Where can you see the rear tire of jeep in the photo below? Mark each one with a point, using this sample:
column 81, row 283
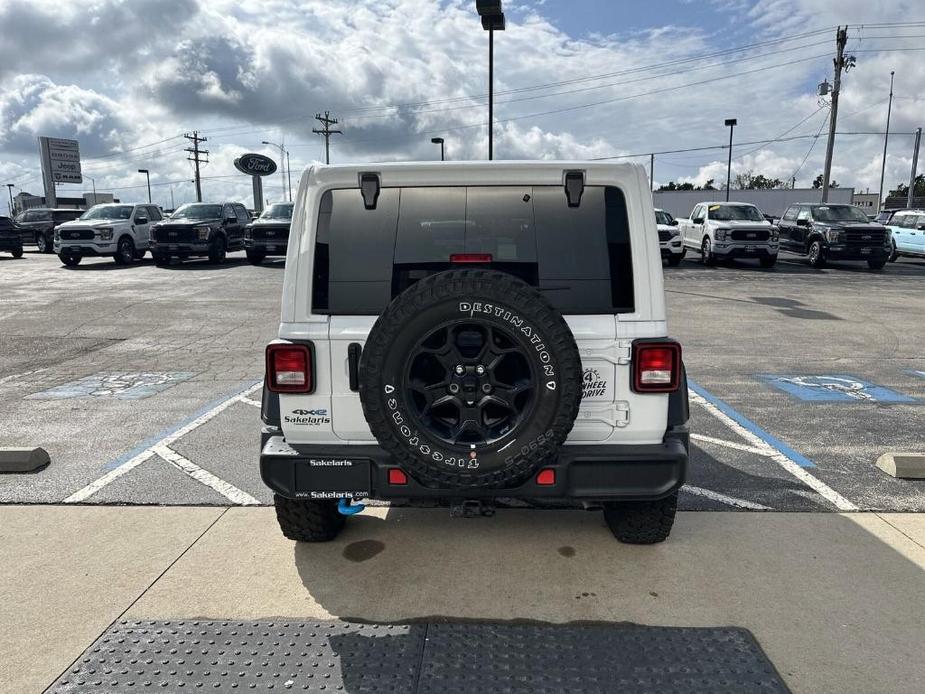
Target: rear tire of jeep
column 470, row 379
column 308, row 521
column 17, row 253
column 641, row 522
column 42, row 244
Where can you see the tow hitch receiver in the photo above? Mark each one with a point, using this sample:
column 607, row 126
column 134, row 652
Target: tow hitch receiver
column 471, row 508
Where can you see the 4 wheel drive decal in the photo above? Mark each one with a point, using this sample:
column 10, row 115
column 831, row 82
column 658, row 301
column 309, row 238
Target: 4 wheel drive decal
column 414, row 439
column 471, row 308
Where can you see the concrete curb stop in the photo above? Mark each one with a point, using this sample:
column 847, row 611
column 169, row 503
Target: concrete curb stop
column 903, row 465
column 22, row 459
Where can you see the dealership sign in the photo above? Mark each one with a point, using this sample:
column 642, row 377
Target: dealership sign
column 61, row 159
column 254, row 164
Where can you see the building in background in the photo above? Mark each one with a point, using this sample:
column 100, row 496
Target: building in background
column 869, row 202
column 26, row 201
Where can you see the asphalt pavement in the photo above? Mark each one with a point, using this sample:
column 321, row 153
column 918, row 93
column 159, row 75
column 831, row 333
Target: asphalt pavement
column 139, row 381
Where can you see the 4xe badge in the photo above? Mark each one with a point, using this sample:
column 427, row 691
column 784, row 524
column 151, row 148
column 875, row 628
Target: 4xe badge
column 311, row 418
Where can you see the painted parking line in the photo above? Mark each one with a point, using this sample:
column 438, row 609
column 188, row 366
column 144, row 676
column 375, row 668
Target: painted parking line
column 129, row 461
column 226, row 489
column 725, row 499
column 252, row 402
column 766, row 451
column 777, row 450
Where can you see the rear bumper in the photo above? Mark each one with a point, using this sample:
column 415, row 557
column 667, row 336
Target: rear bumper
column 583, row 473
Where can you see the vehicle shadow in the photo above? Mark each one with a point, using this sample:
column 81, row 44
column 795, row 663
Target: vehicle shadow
column 203, row 264
column 795, row 265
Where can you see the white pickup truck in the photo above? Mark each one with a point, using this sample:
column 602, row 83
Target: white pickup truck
column 727, row 230
column 121, row 231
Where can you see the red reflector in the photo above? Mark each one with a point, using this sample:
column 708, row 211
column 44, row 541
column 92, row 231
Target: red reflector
column 470, row 258
column 397, row 476
column 656, row 367
column 289, row 368
column 546, row 478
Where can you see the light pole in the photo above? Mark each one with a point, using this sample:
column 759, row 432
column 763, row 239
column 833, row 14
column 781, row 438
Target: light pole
column 731, row 123
column 886, row 138
column 289, row 174
column 492, row 19
column 282, row 173
column 147, row 176
column 9, row 187
column 438, row 141
column 93, row 182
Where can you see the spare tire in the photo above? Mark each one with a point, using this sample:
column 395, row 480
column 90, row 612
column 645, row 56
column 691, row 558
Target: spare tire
column 470, row 378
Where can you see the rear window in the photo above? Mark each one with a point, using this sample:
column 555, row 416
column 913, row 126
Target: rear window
column 579, row 258
column 67, row 215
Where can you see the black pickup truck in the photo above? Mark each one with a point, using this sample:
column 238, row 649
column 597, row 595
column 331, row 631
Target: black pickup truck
column 200, row 229
column 10, row 239
column 823, row 232
column 269, row 233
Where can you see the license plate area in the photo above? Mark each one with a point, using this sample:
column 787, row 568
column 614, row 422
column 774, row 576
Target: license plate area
column 332, row 478
column 866, row 251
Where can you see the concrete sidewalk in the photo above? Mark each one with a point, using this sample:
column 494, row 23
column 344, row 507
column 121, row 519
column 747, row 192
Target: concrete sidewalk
column 837, row 601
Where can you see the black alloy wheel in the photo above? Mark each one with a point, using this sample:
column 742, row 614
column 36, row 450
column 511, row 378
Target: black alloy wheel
column 469, row 383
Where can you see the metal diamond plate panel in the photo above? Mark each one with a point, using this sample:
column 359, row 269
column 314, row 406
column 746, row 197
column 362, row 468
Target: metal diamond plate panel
column 288, row 655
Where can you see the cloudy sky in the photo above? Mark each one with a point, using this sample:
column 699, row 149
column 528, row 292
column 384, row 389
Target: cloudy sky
column 573, row 79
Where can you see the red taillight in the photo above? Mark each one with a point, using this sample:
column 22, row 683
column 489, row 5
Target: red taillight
column 546, row 477
column 397, row 476
column 470, row 258
column 656, row 367
column 289, row 368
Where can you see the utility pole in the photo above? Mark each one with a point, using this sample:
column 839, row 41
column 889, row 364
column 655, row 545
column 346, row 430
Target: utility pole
column 886, row 138
column 915, row 165
column 289, row 174
column 9, row 187
column 652, row 172
column 327, row 122
column 841, row 38
column 196, row 158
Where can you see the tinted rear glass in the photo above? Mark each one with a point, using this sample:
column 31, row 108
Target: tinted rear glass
column 578, row 257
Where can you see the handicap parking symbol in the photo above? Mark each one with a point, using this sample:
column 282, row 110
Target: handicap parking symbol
column 833, row 388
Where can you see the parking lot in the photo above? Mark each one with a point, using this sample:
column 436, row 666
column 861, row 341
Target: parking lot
column 141, row 382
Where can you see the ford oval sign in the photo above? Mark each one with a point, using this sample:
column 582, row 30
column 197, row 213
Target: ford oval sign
column 255, row 164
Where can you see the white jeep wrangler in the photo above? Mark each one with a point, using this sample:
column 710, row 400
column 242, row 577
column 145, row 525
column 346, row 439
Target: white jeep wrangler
column 455, row 333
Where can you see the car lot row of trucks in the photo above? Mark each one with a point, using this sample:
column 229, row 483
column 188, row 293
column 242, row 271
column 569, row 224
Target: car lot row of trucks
column 717, row 231
column 126, row 232
column 818, row 231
